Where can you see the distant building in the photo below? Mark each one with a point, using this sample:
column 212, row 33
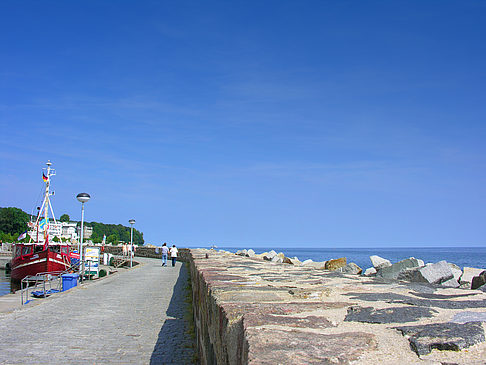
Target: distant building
column 87, row 232
column 54, row 230
column 69, row 231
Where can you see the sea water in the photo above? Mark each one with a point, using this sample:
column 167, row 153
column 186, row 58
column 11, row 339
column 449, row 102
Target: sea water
column 461, row 256
column 4, row 282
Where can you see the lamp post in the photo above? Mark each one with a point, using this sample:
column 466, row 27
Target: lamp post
column 132, row 222
column 83, row 198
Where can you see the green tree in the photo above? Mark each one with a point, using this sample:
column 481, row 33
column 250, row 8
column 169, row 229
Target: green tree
column 95, row 238
column 6, row 237
column 64, row 218
column 122, row 232
column 55, row 239
column 112, row 238
column 13, row 221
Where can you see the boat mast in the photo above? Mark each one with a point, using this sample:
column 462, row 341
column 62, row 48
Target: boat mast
column 46, row 208
column 47, row 202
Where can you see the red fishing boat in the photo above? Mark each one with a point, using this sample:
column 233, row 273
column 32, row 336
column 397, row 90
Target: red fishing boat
column 41, row 255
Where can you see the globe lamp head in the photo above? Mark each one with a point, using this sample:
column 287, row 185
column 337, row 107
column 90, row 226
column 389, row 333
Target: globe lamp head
column 83, row 197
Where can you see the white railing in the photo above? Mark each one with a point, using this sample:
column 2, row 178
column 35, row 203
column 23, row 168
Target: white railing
column 41, row 285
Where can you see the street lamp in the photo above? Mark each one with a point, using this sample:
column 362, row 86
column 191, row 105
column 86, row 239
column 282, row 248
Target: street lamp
column 132, row 222
column 83, row 198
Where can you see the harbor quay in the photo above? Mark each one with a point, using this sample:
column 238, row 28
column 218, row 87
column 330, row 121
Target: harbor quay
column 135, row 316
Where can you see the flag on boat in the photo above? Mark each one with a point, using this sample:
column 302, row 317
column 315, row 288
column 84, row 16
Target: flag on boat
column 43, row 223
column 44, row 177
column 22, row 236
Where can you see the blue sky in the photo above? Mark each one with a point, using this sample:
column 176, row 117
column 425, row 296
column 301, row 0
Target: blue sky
column 264, row 123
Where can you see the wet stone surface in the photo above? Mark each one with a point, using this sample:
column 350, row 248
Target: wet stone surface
column 443, row 336
column 388, row 315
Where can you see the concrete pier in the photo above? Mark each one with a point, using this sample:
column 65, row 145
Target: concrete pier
column 135, row 316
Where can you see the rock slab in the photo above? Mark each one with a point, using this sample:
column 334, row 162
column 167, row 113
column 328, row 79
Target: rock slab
column 379, row 262
column 371, row 271
column 271, row 346
column 479, row 280
column 392, row 272
column 387, row 315
column 468, row 274
column 464, row 317
column 350, row 268
column 433, row 273
column 443, row 336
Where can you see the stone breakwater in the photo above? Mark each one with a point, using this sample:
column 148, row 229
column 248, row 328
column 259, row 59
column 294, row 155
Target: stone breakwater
column 249, row 310
column 441, row 273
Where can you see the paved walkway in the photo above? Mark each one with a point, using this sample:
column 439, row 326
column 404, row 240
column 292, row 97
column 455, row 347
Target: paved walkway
column 133, row 317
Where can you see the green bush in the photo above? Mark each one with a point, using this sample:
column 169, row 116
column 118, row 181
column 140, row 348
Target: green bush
column 112, row 260
column 102, row 273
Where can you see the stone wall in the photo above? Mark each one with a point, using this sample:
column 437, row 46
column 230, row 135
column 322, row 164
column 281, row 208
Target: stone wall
column 247, row 310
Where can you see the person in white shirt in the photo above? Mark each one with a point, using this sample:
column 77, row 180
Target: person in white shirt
column 165, row 253
column 173, row 254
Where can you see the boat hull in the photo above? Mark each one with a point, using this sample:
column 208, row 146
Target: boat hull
column 40, row 262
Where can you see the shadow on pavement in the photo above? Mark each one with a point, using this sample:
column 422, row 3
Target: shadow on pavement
column 174, row 345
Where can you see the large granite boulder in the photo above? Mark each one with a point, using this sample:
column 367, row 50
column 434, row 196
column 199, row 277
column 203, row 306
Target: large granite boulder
column 241, row 252
column 467, row 276
column 371, row 271
column 335, row 264
column 451, row 283
column 270, row 255
column 317, row 265
column 479, row 280
column 277, row 259
column 392, row 272
column 286, row 260
column 407, row 274
column 433, row 273
column 294, row 260
column 456, row 271
column 250, row 253
column 350, row 268
column 306, row 262
column 454, row 282
column 379, row 262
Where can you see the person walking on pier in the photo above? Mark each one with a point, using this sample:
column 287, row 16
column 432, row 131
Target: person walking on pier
column 173, row 254
column 165, row 253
